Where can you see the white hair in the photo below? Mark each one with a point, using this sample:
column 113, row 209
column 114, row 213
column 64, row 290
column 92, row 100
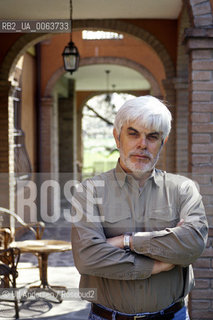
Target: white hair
column 149, row 111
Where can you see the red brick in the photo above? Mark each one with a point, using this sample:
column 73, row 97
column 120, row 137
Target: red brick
column 209, row 210
column 202, row 107
column 201, row 75
column 201, row 179
column 202, row 263
column 201, row 138
column 202, row 8
column 203, row 274
column 210, row 220
column 207, row 200
column 194, row 2
column 200, row 159
column 202, row 294
column 210, row 232
column 209, row 243
column 202, row 86
column 208, row 253
column 198, row 43
column 210, row 200
column 202, row 128
column 201, row 96
column 201, row 315
column 201, row 117
column 202, row 148
column 202, row 65
column 202, row 170
column 202, row 284
column 201, row 304
column 202, row 21
column 201, row 54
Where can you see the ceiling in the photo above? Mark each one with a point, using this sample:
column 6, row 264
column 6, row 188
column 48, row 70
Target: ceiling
column 95, row 78
column 89, row 9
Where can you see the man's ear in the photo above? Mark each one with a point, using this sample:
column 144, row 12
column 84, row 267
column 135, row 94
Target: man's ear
column 116, row 136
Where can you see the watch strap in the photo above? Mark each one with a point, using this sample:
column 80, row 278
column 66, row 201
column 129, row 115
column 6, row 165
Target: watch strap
column 127, row 242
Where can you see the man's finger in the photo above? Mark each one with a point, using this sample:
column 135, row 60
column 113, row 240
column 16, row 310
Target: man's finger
column 180, row 223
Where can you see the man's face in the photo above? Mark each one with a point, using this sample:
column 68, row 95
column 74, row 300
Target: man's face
column 139, row 147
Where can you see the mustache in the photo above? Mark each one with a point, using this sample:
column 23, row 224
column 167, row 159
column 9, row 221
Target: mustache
column 141, row 153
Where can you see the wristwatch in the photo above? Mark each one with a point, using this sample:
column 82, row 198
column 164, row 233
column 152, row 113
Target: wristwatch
column 127, row 242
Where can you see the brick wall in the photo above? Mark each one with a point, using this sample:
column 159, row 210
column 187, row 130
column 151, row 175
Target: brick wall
column 202, row 13
column 4, row 145
column 181, row 86
column 199, row 43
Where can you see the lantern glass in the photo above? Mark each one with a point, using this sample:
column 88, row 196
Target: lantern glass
column 71, row 57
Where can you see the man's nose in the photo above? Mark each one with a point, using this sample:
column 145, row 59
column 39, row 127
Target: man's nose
column 142, row 142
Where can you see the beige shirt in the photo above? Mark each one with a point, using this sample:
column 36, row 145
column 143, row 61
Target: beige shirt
column 112, row 204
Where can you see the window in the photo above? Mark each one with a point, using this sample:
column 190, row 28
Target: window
column 101, row 35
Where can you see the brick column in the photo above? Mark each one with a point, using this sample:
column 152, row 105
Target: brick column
column 4, row 145
column 199, row 45
column 45, row 127
column 181, row 114
column 170, row 146
column 79, row 138
column 66, row 130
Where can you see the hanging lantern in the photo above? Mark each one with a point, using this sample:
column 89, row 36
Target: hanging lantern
column 70, row 54
column 71, row 57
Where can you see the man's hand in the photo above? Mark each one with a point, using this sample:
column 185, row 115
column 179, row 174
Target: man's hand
column 180, row 223
column 161, row 266
column 117, row 241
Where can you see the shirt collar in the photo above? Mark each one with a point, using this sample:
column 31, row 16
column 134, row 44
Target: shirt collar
column 121, row 175
column 157, row 177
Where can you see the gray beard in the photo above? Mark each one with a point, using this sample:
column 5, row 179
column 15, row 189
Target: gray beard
column 139, row 173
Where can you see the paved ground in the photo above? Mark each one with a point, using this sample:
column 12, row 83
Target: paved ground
column 61, row 271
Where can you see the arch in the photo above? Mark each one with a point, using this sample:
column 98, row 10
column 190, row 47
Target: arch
column 135, row 31
column 109, row 60
column 28, row 40
column 17, row 49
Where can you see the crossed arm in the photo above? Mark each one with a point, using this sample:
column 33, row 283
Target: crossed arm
column 151, row 252
column 158, row 266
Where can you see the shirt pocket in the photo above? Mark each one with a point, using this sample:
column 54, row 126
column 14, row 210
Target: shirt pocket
column 116, row 220
column 161, row 218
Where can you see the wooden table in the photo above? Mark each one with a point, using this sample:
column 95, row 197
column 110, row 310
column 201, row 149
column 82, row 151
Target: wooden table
column 42, row 249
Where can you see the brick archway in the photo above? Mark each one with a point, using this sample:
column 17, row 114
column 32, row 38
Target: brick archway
column 109, row 60
column 122, row 26
column 15, row 52
column 28, row 40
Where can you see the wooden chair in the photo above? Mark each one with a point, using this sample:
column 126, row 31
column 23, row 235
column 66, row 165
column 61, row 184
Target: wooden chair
column 9, row 259
column 40, row 248
column 9, row 234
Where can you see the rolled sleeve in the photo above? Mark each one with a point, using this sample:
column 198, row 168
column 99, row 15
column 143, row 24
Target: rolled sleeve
column 180, row 245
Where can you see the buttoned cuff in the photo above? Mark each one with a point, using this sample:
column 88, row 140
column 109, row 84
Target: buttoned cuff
column 141, row 242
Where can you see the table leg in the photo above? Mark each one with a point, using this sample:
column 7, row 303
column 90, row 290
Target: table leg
column 43, row 264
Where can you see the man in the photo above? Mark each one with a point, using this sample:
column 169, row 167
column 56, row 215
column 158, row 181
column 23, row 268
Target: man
column 136, row 230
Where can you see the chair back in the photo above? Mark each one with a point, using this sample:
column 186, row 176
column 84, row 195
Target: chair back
column 36, row 228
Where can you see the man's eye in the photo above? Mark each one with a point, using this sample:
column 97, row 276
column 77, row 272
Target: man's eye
column 153, row 138
column 134, row 135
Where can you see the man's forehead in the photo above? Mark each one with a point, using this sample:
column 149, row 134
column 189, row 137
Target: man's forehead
column 138, row 126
